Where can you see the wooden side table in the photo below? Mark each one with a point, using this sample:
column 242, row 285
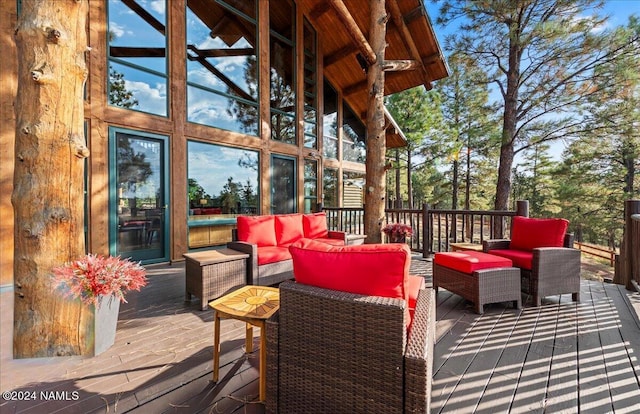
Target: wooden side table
column 212, row 273
column 355, row 239
column 252, row 305
column 460, row 247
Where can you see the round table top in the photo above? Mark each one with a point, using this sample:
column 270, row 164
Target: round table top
column 251, row 302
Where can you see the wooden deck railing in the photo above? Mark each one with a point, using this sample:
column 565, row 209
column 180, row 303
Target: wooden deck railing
column 634, row 255
column 433, row 229
column 627, row 270
column 597, row 251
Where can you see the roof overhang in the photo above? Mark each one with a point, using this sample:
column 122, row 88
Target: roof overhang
column 411, row 44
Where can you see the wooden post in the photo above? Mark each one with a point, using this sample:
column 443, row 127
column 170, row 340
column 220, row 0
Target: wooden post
column 522, row 208
column 629, row 250
column 426, row 231
column 48, row 197
column 375, row 188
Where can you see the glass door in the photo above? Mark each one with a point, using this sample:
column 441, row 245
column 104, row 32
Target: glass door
column 139, row 196
column 283, row 185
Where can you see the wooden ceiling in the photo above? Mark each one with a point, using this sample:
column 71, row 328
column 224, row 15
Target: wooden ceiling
column 343, row 28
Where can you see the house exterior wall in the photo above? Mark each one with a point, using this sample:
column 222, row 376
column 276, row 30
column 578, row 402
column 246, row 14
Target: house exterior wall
column 100, row 118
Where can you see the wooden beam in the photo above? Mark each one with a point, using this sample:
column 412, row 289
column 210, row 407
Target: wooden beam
column 338, row 55
column 133, row 52
column 319, row 8
column 400, row 65
column 355, row 87
column 230, row 83
column 245, row 51
column 145, row 15
column 407, row 39
column 357, row 38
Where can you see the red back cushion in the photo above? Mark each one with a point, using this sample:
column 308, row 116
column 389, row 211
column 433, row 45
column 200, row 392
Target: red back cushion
column 530, row 233
column 368, row 269
column 288, row 229
column 258, row 230
column 315, row 225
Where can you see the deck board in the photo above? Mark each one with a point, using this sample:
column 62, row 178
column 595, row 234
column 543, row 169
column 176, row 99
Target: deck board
column 560, row 357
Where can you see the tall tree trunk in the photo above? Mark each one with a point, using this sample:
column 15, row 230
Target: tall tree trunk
column 376, row 146
column 455, row 185
column 409, row 172
column 48, row 195
column 510, row 120
column 467, row 190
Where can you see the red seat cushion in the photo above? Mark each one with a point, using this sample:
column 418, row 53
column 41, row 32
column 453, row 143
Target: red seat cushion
column 530, row 233
column 415, row 284
column 368, row 269
column 258, row 230
column 333, row 242
column 520, row 258
column 288, row 228
column 272, row 254
column 315, row 225
column 470, row 261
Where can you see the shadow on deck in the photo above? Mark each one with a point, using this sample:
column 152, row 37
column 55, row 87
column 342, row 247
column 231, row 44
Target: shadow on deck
column 562, row 356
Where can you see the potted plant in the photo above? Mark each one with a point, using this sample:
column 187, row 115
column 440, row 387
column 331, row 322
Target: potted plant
column 397, row 232
column 100, row 282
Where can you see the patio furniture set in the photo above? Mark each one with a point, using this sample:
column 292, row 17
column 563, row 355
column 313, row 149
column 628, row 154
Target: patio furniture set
column 538, row 259
column 354, row 332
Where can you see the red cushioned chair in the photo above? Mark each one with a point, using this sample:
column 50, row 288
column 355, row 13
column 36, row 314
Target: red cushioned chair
column 354, row 333
column 543, row 250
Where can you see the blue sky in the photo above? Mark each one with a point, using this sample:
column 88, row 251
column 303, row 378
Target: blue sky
column 618, row 11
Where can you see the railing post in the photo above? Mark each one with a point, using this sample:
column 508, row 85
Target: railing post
column 522, row 208
column 629, row 254
column 426, row 231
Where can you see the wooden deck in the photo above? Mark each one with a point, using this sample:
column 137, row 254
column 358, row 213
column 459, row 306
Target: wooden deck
column 561, row 357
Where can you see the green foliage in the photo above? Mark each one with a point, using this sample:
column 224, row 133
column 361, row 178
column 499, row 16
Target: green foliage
column 118, row 93
column 542, row 56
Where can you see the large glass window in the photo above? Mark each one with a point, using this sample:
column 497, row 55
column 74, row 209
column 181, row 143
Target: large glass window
column 330, row 187
column 222, row 181
column 310, row 88
column 353, row 189
column 353, row 142
column 282, row 53
column 222, row 65
column 330, row 122
column 310, row 185
column 137, row 56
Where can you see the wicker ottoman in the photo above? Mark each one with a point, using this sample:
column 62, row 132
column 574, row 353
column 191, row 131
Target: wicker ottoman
column 212, row 273
column 478, row 277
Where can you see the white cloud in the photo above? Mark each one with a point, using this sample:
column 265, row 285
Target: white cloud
column 117, row 30
column 159, row 6
column 150, row 99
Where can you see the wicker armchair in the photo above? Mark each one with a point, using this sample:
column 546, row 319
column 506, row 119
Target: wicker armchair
column 545, row 271
column 336, row 352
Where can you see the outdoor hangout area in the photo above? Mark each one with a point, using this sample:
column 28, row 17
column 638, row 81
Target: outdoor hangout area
column 462, row 335
column 303, row 206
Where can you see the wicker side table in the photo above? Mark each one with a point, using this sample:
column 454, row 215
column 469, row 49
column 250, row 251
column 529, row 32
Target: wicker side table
column 212, row 273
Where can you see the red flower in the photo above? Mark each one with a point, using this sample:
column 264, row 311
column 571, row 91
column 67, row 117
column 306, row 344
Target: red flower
column 94, row 276
column 397, row 229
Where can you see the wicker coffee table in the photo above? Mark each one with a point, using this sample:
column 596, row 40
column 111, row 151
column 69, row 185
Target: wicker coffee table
column 212, row 273
column 252, row 305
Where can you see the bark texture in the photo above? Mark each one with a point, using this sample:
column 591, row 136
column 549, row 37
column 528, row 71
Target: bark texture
column 48, row 197
column 375, row 189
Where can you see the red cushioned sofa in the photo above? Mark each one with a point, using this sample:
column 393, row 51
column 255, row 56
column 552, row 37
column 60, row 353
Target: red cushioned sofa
column 267, row 239
column 354, row 333
column 543, row 250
